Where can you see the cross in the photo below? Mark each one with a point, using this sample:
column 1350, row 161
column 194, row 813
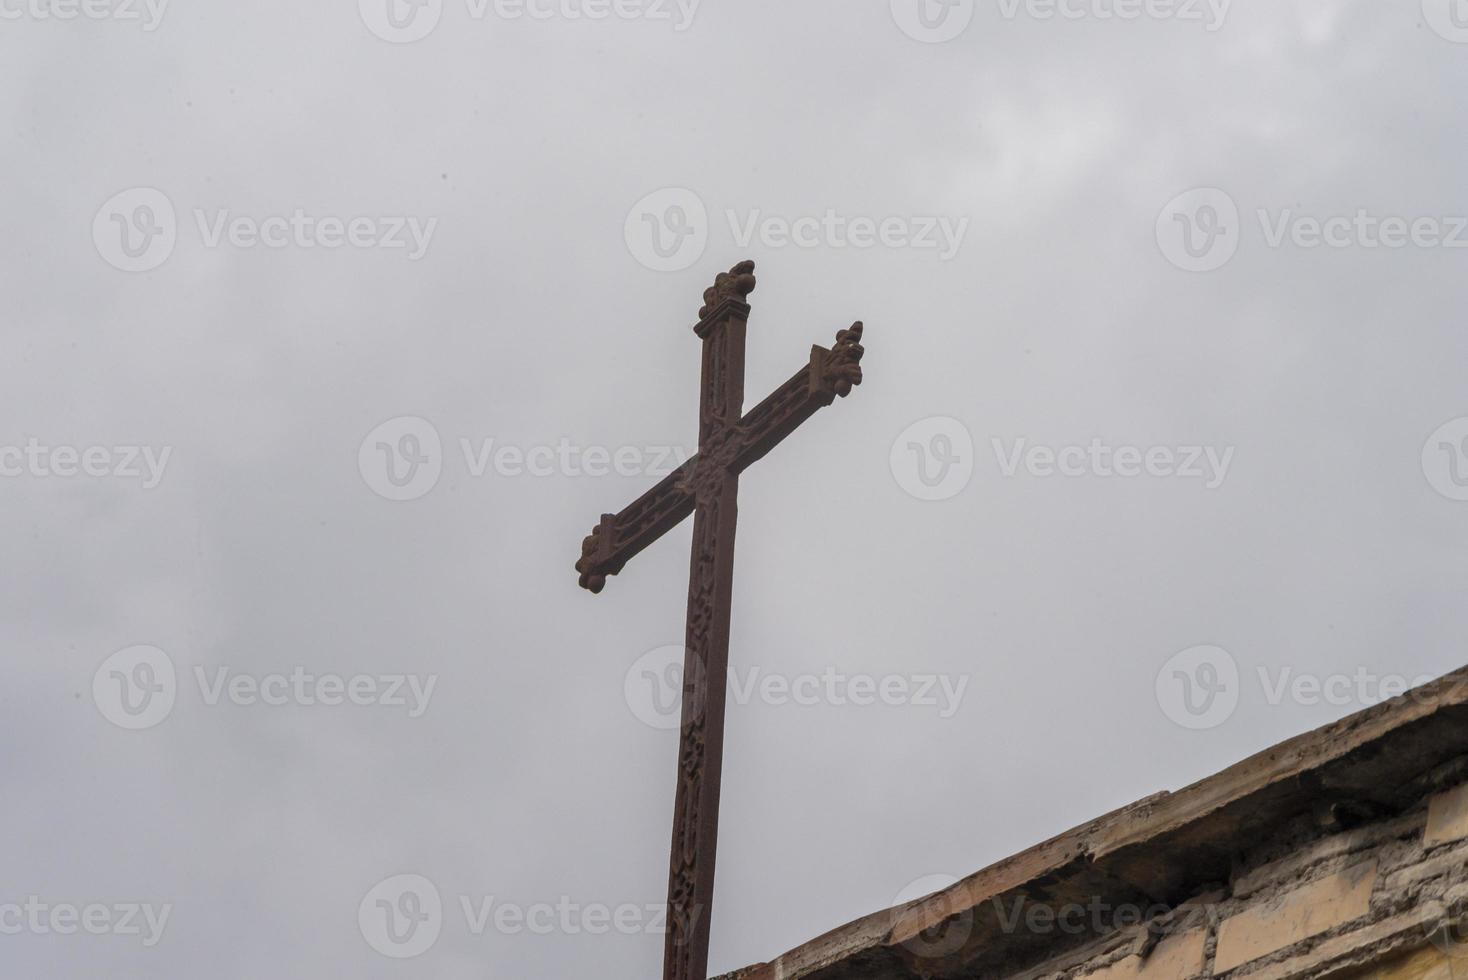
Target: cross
column 707, row 487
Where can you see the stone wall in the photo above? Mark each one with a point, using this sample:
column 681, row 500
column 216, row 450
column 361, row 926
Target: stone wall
column 1364, row 896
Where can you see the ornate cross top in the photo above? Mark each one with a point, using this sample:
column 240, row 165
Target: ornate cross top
column 707, row 486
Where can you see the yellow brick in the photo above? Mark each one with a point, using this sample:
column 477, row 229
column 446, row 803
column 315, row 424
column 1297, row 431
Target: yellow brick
column 1447, row 816
column 1409, row 928
column 1307, row 911
column 1423, row 963
column 1175, row 958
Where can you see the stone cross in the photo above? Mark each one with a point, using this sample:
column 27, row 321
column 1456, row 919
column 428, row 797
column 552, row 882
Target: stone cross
column 707, row 487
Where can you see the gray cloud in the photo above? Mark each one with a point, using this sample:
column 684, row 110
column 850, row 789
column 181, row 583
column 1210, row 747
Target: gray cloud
column 529, row 320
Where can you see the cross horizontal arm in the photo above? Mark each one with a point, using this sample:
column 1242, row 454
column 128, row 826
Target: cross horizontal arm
column 831, row 374
column 619, row 537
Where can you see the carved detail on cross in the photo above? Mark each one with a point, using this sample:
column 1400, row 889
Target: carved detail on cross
column 736, row 284
column 836, row 371
column 711, row 466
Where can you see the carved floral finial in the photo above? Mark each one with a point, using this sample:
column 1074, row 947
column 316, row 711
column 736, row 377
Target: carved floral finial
column 589, row 581
column 593, row 555
column 841, row 369
column 737, row 283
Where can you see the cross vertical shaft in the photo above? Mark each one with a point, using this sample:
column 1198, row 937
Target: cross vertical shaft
column 707, row 486
column 701, row 747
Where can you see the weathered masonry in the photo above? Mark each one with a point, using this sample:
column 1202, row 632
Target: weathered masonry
column 1342, row 853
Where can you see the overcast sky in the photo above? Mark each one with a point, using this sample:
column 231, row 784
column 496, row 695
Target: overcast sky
column 331, row 329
